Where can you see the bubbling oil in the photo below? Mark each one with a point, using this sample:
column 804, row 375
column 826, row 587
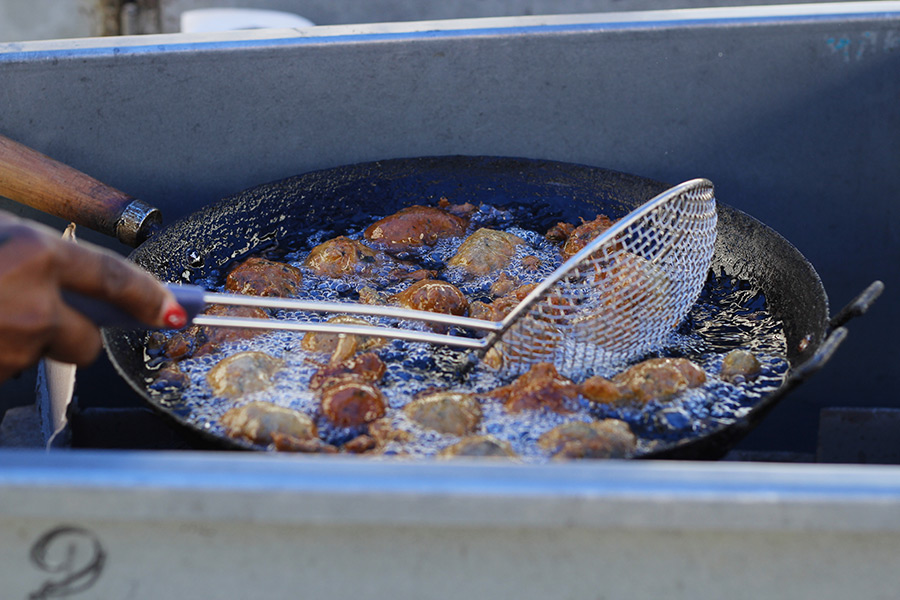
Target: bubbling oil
column 729, row 314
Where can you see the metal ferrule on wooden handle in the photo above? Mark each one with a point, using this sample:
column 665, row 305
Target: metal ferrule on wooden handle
column 33, row 179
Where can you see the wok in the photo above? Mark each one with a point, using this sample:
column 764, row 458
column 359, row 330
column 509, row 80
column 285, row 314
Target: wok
column 200, row 247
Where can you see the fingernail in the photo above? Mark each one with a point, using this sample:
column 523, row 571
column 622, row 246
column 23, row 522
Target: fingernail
column 175, row 316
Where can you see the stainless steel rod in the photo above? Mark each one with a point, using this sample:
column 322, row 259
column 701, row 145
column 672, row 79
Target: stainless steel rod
column 341, row 328
column 350, row 308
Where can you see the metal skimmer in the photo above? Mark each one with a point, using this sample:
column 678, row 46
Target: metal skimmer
column 618, row 298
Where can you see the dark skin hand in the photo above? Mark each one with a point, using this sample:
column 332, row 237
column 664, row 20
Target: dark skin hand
column 35, row 265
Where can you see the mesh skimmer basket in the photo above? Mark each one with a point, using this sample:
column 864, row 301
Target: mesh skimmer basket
column 623, row 294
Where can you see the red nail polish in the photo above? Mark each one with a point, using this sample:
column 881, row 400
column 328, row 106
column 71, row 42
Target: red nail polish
column 175, row 316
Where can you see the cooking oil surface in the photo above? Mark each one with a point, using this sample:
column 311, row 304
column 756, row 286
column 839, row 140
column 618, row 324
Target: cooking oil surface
column 729, row 315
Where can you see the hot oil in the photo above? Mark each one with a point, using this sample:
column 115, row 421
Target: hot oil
column 728, row 315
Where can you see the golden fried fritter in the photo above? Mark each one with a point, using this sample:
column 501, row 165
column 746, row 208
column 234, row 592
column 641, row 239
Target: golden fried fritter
column 261, row 277
column 653, row 379
column 415, row 227
column 609, row 438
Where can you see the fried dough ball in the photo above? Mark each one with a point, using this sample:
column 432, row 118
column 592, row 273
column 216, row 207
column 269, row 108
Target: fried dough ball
column 243, row 373
column 609, row 438
column 493, row 359
column 265, row 423
column 347, row 390
column 500, row 307
column 341, row 256
column 653, row 379
column 352, row 402
column 450, row 413
column 559, row 232
column 542, row 387
column 435, row 296
column 464, row 210
column 503, row 285
column 260, row 277
column 288, row 443
column 200, row 340
column 479, row 445
column 361, row 444
column 383, row 432
column 739, row 366
column 170, row 378
column 414, row 227
column 584, row 234
column 485, row 251
column 400, row 274
column 341, row 346
column 531, row 263
column 365, row 367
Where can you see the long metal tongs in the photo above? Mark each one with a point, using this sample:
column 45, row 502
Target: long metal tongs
column 620, row 296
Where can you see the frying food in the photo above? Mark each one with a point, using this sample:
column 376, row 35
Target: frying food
column 265, row 423
column 434, row 296
column 485, row 251
column 452, row 413
column 340, row 346
column 348, row 392
column 609, row 438
column 500, row 307
column 383, row 432
column 329, row 393
column 243, row 373
column 584, row 233
column 365, row 367
column 653, row 379
column 541, row 388
column 342, row 256
column 199, row 340
column 739, row 365
column 484, row 446
column 414, row 227
column 260, row 277
column 351, row 402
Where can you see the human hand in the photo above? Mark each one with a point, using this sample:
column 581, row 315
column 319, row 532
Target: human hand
column 36, row 264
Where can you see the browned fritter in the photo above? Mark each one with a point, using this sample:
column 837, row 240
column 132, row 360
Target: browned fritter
column 340, row 346
column 414, row 227
column 653, row 379
column 740, row 365
column 485, row 251
column 352, row 402
column 341, row 256
column 257, row 422
column 243, row 373
column 485, row 446
column 435, row 296
column 500, row 307
column 542, row 387
column 347, row 390
column 584, row 233
column 383, row 432
column 366, row 366
column 200, row 340
column 559, row 232
column 451, row 413
column 609, row 438
column 261, row 277
column 464, row 210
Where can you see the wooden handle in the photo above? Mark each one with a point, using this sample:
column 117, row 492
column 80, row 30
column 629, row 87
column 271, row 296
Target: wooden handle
column 33, row 179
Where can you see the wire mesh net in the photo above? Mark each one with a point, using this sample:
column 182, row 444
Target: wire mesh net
column 623, row 294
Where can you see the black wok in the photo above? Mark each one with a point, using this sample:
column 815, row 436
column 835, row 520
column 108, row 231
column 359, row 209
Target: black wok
column 202, row 245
